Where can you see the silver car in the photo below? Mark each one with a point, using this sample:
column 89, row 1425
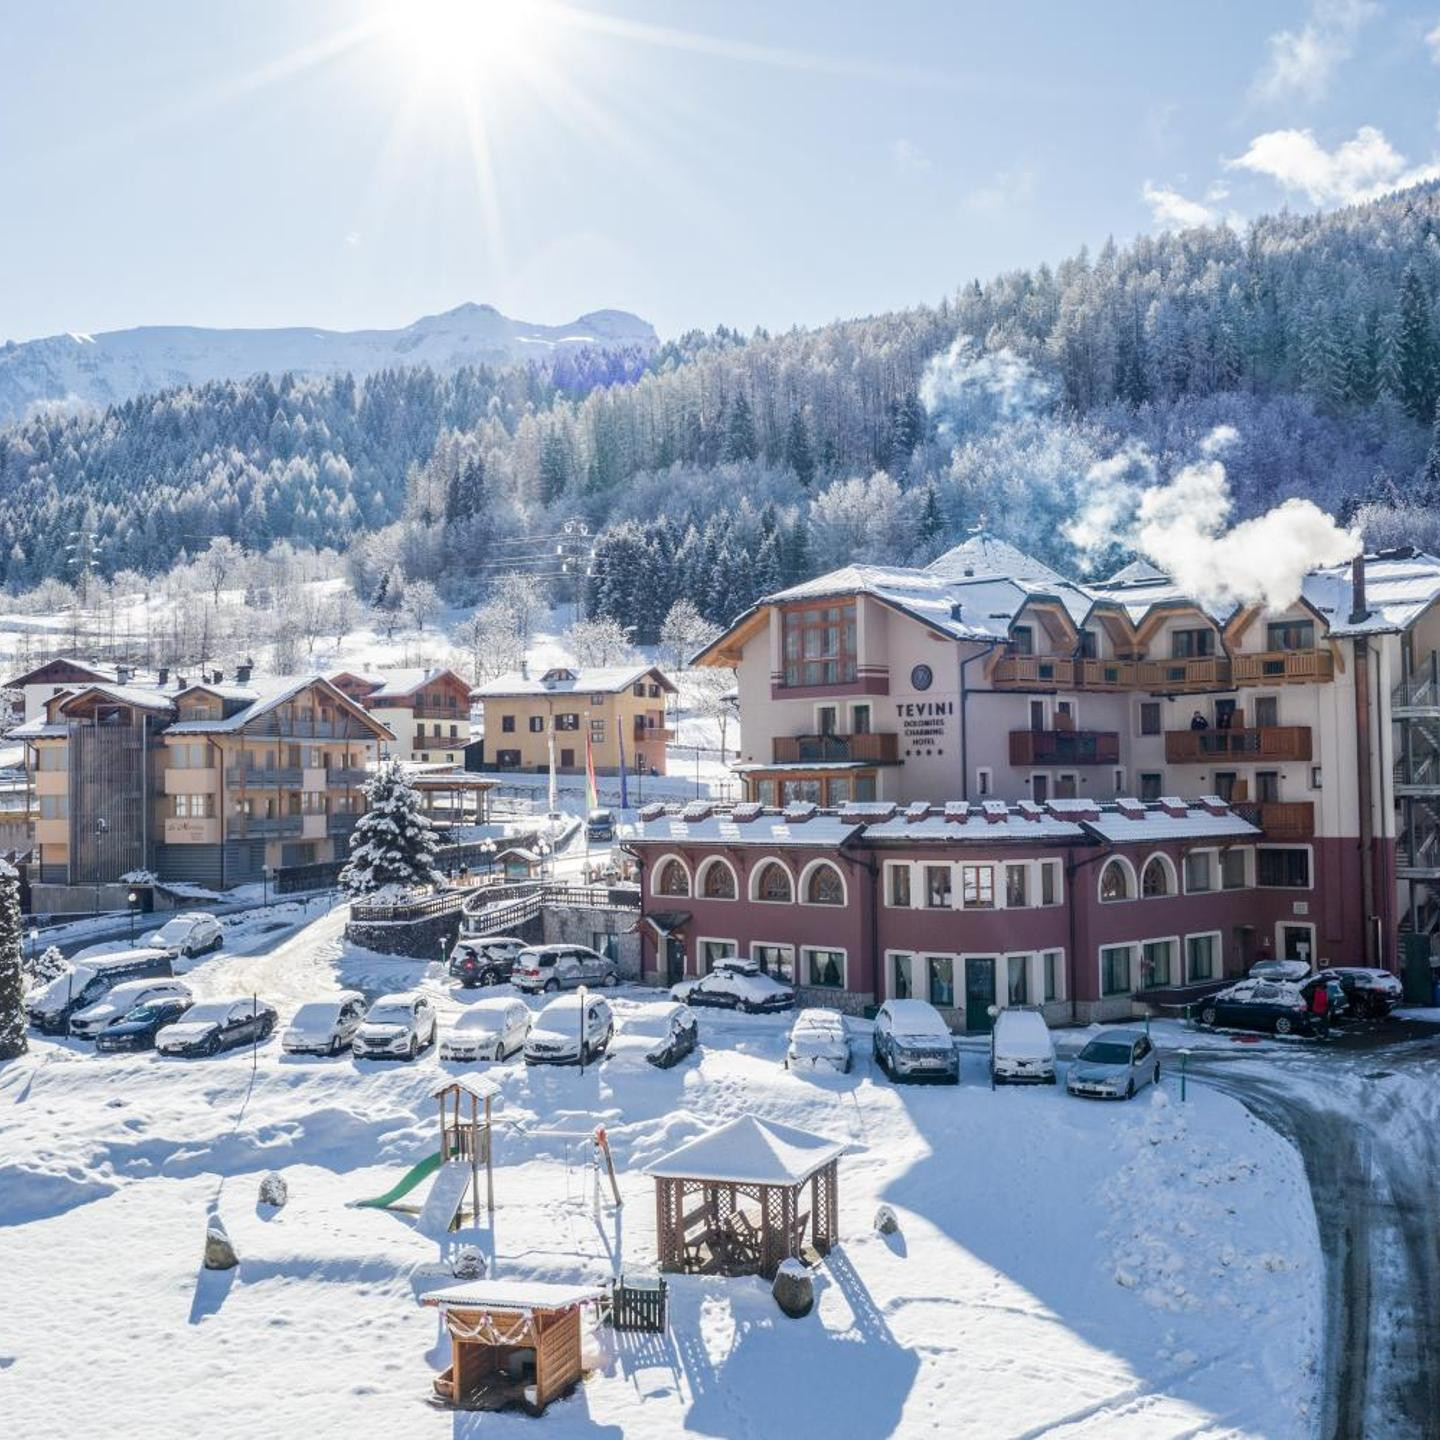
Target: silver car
column 1114, row 1065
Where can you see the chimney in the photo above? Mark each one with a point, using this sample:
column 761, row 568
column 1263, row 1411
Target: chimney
column 163, row 678
column 242, row 672
column 217, row 677
column 122, row 674
column 1359, row 612
column 524, row 669
column 181, row 681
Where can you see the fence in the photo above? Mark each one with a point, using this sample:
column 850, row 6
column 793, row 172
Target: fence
column 319, row 876
column 496, row 909
column 638, row 1305
column 424, row 907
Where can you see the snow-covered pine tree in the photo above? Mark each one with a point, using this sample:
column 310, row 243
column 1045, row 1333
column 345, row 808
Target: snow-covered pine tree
column 12, row 978
column 46, row 966
column 393, row 846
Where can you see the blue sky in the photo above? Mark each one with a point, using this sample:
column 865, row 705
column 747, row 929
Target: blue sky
column 350, row 164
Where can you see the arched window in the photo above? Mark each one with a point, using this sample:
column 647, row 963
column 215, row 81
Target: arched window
column 673, row 879
column 773, row 884
column 1116, row 881
column 823, row 886
column 1157, row 878
column 717, row 881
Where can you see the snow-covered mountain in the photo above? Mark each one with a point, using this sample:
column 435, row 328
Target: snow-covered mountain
column 100, row 369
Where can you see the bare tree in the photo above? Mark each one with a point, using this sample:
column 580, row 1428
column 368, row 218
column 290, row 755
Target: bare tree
column 421, row 601
column 599, row 642
column 685, row 631
column 492, row 639
column 522, row 594
column 714, row 694
column 218, row 564
column 342, row 614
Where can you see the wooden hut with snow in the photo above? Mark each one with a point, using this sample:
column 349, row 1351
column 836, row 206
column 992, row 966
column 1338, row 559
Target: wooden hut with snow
column 733, row 1201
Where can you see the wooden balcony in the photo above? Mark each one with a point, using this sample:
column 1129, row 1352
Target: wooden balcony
column 1064, row 747
column 1244, row 746
column 1281, row 820
column 258, row 777
column 1029, row 672
column 1281, row 667
column 882, row 748
column 1205, row 672
column 263, row 827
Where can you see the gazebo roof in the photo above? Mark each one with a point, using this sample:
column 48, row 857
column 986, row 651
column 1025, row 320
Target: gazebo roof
column 748, row 1151
column 482, row 1087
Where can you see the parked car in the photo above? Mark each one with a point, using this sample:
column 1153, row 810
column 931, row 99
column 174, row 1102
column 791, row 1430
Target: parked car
column 819, row 1039
column 50, row 1006
column 395, row 1026
column 487, row 1030
column 118, row 1002
column 555, row 1035
column 1114, row 1065
column 600, row 826
column 912, row 1042
column 137, row 1030
column 1021, row 1048
column 1280, row 970
column 736, row 985
column 1370, row 993
column 484, row 959
column 562, row 967
column 216, row 1025
column 191, row 932
column 324, row 1027
column 1270, row 1005
column 670, row 1031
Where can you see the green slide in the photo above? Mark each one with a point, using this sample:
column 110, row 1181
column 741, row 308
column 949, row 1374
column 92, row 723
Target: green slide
column 427, row 1167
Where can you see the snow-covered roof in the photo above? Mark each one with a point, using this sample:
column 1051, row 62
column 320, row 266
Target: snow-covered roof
column 512, row 1295
column 984, row 555
column 749, row 1152
column 482, row 1087
column 403, row 682
column 1137, row 598
column 562, row 680
column 770, row 828
column 1155, row 823
column 978, row 827
column 1399, row 588
column 1140, row 569
column 286, row 688
column 223, row 689
column 38, row 729
column 136, row 695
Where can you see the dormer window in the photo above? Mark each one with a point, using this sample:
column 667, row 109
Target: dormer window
column 552, row 677
column 1089, row 645
column 1022, row 639
column 1290, row 635
column 1191, row 644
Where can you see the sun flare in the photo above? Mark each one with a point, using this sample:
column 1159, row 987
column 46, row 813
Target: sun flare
column 458, row 46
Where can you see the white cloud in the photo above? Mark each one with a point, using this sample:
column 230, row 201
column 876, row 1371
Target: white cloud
column 1005, row 190
column 352, row 240
column 1173, row 211
column 1302, row 61
column 1433, row 41
column 1356, row 170
column 908, row 157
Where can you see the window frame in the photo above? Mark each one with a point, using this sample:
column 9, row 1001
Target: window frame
column 1217, row 953
column 1208, row 853
column 702, row 874
column 907, row 869
column 757, row 872
column 808, row 951
column 1308, row 851
column 659, row 869
column 1132, row 884
column 1132, row 950
column 1172, row 877
column 806, row 876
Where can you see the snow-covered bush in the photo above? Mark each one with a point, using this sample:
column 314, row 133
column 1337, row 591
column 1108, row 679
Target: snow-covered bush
column 48, row 965
column 393, row 846
column 468, row 1264
column 12, row 977
column 273, row 1190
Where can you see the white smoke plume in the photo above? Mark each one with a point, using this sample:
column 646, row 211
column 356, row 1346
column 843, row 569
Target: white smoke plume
column 968, row 391
column 1179, row 526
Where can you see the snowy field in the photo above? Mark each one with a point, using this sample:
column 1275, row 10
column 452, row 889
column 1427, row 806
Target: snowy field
column 1063, row 1268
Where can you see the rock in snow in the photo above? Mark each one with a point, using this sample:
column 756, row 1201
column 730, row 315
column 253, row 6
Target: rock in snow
column 794, row 1289
column 469, row 1263
column 219, row 1252
column 273, row 1190
column 885, row 1221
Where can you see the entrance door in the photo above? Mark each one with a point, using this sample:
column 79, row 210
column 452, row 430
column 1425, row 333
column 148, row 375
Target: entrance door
column 1037, row 714
column 1039, row 788
column 1296, row 943
column 674, row 959
column 567, row 759
column 1245, row 947
column 1224, row 714
column 979, row 993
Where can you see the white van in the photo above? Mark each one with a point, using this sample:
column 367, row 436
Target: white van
column 1021, row 1048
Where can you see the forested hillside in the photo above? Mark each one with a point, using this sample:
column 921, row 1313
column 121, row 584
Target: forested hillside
column 723, row 464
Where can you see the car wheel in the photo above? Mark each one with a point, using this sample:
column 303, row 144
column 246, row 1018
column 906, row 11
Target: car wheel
column 1207, row 1016
column 414, row 1046
column 611, row 980
column 499, row 1051
column 1155, row 1078
column 1130, row 1088
column 334, row 1044
column 1283, row 1025
column 219, row 943
column 212, row 1045
column 551, row 985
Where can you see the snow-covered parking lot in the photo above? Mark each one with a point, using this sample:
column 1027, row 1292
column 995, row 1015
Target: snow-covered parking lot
column 1062, row 1267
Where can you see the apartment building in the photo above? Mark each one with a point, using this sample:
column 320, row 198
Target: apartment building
column 986, row 676
column 620, row 709
column 428, row 711
column 206, row 781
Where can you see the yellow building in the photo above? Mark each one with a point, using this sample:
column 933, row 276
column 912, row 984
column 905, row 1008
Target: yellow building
column 615, row 706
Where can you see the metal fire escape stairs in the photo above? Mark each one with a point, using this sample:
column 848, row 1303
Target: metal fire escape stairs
column 1415, row 713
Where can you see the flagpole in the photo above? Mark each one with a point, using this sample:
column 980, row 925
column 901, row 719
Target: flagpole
column 624, row 788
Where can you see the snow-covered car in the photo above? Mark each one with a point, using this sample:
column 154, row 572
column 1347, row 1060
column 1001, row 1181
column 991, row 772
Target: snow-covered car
column 600, row 826
column 562, row 967
column 1371, row 993
column 1279, row 969
column 819, row 1039
column 555, row 1036
column 324, row 1027
column 138, row 1029
column 216, row 1025
column 669, row 1031
column 86, row 1024
column 912, row 1042
column 487, row 1030
column 189, row 933
column 50, row 1006
column 1270, row 1005
column 484, row 959
column 1021, row 1048
column 736, row 985
column 1113, row 1065
column 396, row 1027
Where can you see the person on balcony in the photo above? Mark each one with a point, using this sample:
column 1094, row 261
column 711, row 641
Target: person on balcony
column 1199, row 722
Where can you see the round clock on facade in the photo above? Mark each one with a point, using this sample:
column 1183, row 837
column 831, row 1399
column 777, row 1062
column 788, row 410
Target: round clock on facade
column 920, row 677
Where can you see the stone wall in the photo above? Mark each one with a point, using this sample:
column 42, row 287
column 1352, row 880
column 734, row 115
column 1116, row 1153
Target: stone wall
column 570, row 925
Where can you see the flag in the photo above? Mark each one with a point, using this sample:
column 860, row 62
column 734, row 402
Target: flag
column 624, row 789
column 592, row 794
column 551, row 740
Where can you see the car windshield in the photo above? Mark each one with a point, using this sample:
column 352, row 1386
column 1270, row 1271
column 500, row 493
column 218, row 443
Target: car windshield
column 481, row 1020
column 143, row 1014
column 71, row 983
column 317, row 1013
column 649, row 1023
column 175, row 929
column 1106, row 1052
column 389, row 1014
column 209, row 1014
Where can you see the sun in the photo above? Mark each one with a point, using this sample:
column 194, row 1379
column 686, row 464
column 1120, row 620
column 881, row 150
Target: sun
column 457, row 47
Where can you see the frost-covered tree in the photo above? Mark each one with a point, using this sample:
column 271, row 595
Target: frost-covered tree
column 12, row 977
column 492, row 639
column 684, row 632
column 393, row 844
column 421, row 602
column 48, row 965
column 599, row 642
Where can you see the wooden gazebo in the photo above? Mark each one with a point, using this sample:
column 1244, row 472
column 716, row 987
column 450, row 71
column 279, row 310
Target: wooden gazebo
column 512, row 1342
column 468, row 1138
column 733, row 1201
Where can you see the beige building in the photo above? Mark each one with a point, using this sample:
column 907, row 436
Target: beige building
column 617, row 707
column 428, row 711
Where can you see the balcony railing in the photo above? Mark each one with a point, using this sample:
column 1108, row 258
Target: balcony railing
column 346, row 779
column 1280, row 820
column 263, row 827
column 246, row 777
column 341, row 823
column 1064, row 747
column 1274, row 667
column 1263, row 742
column 1204, row 672
column 279, row 726
column 654, row 734
column 882, row 747
column 1027, row 670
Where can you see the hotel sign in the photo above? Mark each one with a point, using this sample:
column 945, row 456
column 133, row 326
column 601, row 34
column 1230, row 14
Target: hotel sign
column 923, row 724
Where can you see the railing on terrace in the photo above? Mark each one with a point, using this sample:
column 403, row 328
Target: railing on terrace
column 1280, row 820
column 1264, row 742
column 1206, row 672
column 495, row 907
column 1064, row 747
column 1277, row 666
column 257, row 827
column 244, row 777
column 1420, row 689
column 880, row 746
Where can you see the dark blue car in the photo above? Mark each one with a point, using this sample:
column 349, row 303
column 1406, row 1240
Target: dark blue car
column 137, row 1030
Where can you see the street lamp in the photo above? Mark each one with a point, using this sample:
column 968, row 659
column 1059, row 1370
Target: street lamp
column 581, row 994
column 102, row 827
column 130, row 900
column 265, row 884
